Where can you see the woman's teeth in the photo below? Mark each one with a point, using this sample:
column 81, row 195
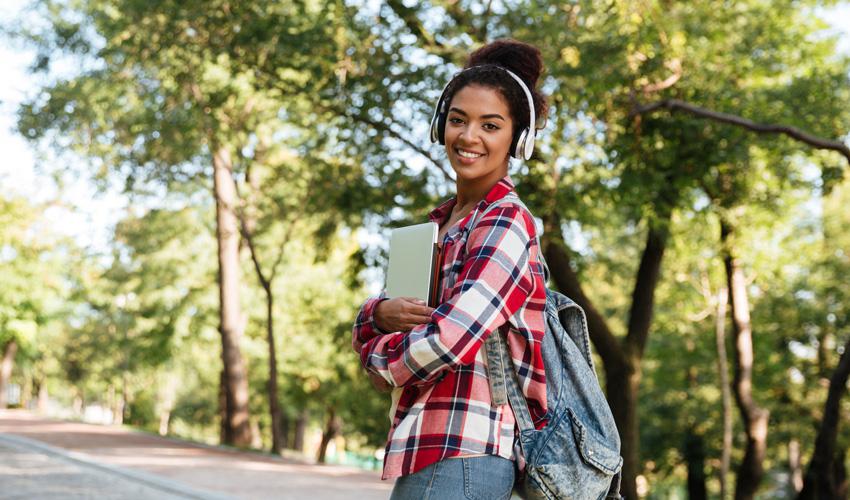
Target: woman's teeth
column 467, row 154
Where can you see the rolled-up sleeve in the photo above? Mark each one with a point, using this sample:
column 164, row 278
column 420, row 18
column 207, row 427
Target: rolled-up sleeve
column 495, row 282
column 365, row 328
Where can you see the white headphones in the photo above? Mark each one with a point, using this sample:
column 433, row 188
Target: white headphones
column 522, row 145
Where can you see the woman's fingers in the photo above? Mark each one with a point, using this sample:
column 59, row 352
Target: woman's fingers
column 418, row 313
column 402, row 314
column 417, row 306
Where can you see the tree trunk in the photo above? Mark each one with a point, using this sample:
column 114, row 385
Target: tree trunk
column 795, row 468
column 824, row 348
column 640, row 319
column 224, row 431
column 331, row 430
column 26, row 393
column 6, row 365
column 238, row 431
column 726, row 395
column 164, row 421
column 42, row 403
column 755, row 418
column 621, row 359
column 842, row 485
column 112, row 400
column 300, row 430
column 256, row 434
column 695, row 459
column 622, row 381
column 248, row 225
column 274, row 406
column 124, row 415
column 77, row 403
column 694, row 444
column 285, row 442
column 820, row 481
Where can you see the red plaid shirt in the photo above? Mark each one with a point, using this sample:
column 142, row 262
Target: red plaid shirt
column 491, row 279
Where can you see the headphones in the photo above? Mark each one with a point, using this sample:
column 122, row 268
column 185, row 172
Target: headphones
column 523, row 141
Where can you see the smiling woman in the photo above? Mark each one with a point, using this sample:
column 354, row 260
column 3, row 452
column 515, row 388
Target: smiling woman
column 478, row 133
column 491, row 280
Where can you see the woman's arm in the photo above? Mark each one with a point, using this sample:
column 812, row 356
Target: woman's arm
column 495, row 282
column 400, row 314
column 365, row 328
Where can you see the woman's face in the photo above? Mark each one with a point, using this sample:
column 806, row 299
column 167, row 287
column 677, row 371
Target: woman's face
column 479, row 130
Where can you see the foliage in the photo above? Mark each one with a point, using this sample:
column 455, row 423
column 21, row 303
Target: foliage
column 325, row 107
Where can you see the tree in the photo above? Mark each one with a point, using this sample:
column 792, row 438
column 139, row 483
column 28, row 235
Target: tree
column 29, row 254
column 606, row 148
column 182, row 107
column 823, row 477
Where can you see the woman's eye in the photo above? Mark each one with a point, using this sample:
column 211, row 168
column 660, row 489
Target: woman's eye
column 490, row 126
column 455, row 119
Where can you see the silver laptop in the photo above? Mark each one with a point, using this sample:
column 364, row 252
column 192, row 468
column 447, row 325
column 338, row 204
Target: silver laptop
column 413, row 262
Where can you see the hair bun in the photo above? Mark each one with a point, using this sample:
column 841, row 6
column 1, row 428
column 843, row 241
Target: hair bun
column 521, row 58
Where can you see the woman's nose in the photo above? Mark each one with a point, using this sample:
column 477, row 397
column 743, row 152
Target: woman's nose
column 467, row 134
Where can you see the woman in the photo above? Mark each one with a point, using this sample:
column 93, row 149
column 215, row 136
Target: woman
column 448, row 439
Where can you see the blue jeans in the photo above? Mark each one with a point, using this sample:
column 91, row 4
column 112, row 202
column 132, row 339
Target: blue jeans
column 476, row 478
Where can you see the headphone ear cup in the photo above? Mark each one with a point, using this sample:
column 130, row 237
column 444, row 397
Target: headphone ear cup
column 528, row 144
column 441, row 127
column 438, row 122
column 518, row 144
column 433, row 132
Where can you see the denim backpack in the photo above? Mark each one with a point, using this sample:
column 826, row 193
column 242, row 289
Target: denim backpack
column 577, row 455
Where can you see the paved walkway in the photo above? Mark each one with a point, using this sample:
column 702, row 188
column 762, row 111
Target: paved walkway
column 43, row 458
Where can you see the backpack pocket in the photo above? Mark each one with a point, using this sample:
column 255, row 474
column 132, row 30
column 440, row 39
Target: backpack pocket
column 594, row 451
column 571, row 462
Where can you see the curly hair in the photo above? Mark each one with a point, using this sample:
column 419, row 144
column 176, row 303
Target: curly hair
column 484, row 68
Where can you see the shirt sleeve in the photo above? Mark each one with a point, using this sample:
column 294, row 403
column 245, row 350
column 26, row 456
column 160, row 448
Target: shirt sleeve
column 365, row 328
column 495, row 282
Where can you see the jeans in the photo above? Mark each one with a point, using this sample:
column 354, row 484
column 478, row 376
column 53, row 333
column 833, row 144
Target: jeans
column 477, row 478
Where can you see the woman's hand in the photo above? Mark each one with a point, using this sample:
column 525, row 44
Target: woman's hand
column 402, row 314
column 379, row 383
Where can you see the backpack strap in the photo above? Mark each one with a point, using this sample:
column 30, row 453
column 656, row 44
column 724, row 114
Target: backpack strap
column 513, row 198
column 504, row 383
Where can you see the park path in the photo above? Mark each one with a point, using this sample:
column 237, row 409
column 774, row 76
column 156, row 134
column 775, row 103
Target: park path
column 147, row 466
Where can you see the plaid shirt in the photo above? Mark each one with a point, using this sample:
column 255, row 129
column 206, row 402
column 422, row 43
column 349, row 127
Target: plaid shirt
column 491, row 278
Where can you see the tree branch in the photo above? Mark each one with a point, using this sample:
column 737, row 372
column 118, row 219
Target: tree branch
column 820, row 475
column 248, row 236
column 383, row 127
column 769, row 128
column 426, row 40
column 675, row 66
column 643, row 295
column 565, row 278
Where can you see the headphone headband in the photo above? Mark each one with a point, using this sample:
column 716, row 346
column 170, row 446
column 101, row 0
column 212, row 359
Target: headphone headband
column 524, row 140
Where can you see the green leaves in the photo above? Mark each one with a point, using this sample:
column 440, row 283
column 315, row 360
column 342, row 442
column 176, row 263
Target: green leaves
column 324, row 107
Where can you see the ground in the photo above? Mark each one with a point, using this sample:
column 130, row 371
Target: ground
column 45, row 458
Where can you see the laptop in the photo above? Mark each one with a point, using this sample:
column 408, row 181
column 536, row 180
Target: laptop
column 413, row 271
column 414, row 263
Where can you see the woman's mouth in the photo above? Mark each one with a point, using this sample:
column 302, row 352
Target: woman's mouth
column 466, row 157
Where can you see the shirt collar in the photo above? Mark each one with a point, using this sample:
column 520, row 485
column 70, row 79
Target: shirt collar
column 497, row 192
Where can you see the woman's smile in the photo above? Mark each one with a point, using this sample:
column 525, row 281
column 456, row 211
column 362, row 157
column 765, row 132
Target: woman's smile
column 467, row 157
column 478, row 133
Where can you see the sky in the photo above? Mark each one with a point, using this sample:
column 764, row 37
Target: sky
column 91, row 221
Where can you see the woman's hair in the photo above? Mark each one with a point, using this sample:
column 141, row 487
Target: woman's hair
column 522, row 59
